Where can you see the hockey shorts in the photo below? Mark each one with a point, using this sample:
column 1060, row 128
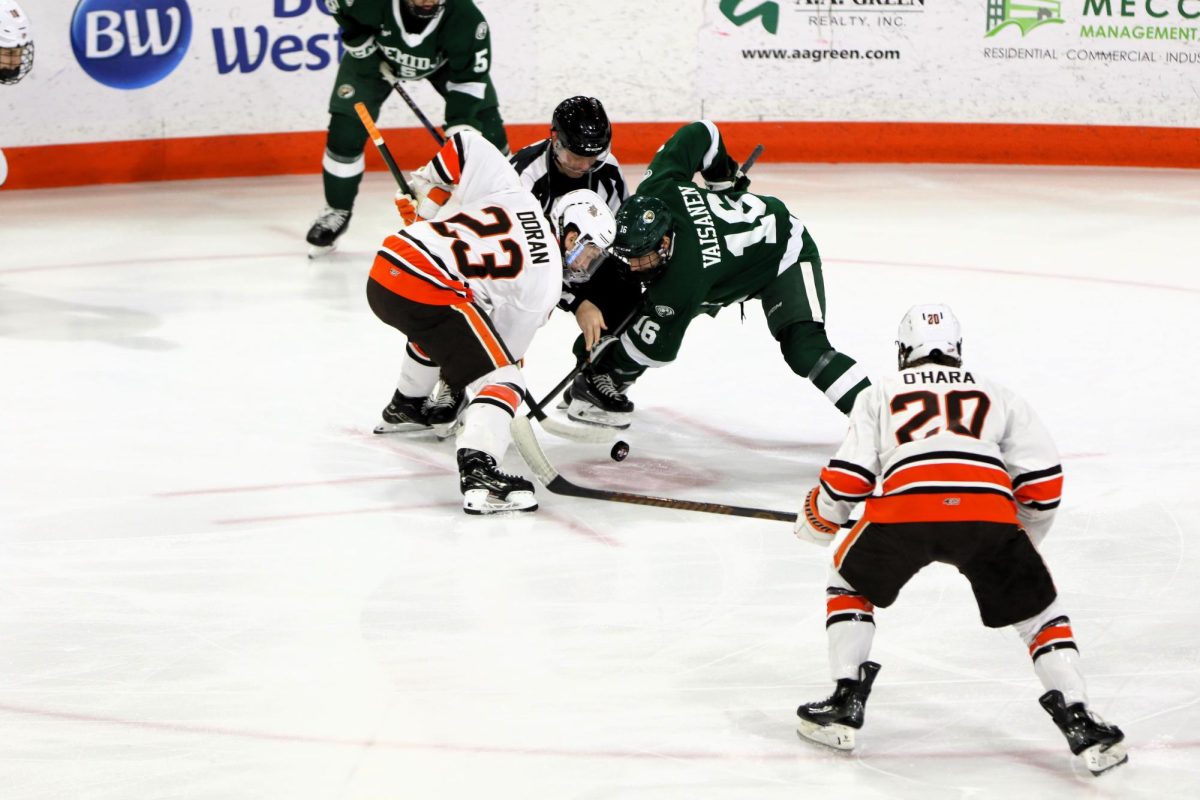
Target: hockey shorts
column 1006, row 572
column 798, row 293
column 459, row 338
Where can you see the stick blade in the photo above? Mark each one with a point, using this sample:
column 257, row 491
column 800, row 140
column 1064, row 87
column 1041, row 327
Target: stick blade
column 527, row 445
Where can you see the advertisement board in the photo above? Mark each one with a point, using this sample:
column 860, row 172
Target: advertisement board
column 203, row 88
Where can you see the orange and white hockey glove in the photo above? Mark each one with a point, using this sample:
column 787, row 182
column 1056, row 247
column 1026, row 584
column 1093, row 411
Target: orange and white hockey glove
column 406, row 204
column 810, row 525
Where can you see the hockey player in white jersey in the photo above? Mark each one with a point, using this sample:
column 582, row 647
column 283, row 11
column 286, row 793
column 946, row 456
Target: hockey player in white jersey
column 470, row 286
column 966, row 475
column 16, row 54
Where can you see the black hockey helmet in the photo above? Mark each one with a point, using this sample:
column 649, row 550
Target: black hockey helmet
column 582, row 126
column 424, row 11
column 642, row 224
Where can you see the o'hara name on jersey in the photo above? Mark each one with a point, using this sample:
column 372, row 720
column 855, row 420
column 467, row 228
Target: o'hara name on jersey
column 535, row 235
column 938, row 377
column 410, row 66
column 706, row 231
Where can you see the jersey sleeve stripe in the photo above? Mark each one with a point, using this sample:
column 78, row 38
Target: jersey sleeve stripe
column 1037, row 475
column 472, row 88
column 850, row 466
column 841, row 496
column 711, row 153
column 1043, row 491
column 1042, row 506
column 846, row 482
column 637, row 355
column 448, row 163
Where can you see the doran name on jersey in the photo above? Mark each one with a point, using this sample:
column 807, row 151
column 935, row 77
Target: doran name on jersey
column 530, row 221
column 710, row 245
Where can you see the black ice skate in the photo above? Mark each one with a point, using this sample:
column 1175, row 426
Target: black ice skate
column 596, row 399
column 487, row 490
column 329, row 225
column 564, row 402
column 443, row 409
column 403, row 414
column 834, row 720
column 1100, row 746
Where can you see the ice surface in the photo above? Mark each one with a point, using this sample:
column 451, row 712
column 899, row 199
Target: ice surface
column 215, row 582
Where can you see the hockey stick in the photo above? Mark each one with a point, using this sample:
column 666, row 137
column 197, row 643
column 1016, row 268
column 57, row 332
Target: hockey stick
column 749, row 162
column 574, row 431
column 377, row 138
column 535, row 409
column 595, row 434
column 527, row 444
column 400, row 90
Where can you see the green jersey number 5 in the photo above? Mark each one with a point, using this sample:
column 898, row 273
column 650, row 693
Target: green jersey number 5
column 745, row 210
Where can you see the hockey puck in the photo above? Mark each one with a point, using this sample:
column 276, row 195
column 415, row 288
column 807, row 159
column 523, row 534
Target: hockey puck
column 619, row 451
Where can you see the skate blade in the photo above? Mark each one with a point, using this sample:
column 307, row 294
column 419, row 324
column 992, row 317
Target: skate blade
column 479, row 501
column 1099, row 760
column 446, row 430
column 839, row 737
column 400, row 427
column 316, row 251
column 589, row 415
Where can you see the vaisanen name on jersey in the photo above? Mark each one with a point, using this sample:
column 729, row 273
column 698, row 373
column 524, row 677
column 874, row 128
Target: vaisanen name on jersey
column 706, row 230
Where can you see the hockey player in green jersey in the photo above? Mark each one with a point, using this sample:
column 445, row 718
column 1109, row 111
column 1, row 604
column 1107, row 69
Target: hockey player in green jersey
column 698, row 250
column 446, row 42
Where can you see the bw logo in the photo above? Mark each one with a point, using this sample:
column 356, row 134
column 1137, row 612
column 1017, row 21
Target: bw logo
column 769, row 12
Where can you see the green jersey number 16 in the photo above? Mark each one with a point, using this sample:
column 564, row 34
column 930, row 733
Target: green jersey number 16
column 745, row 210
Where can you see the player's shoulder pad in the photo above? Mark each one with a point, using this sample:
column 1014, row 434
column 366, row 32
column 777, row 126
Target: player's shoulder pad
column 528, row 154
column 464, row 12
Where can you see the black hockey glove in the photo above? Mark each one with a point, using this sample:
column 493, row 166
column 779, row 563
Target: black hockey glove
column 740, row 182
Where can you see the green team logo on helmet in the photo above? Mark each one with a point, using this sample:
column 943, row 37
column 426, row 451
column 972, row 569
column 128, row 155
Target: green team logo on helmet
column 642, row 222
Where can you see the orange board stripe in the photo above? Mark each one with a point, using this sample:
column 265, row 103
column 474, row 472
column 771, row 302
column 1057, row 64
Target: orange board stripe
column 245, row 155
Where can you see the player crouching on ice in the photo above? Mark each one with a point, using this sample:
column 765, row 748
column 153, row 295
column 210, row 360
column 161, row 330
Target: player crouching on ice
column 699, row 249
column 970, row 478
column 470, row 288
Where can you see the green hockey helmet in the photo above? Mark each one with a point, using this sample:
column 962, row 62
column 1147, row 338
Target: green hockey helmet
column 423, row 9
column 643, row 222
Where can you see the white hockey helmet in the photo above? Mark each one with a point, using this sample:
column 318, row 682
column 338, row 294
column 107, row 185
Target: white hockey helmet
column 928, row 329
column 16, row 43
column 584, row 213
